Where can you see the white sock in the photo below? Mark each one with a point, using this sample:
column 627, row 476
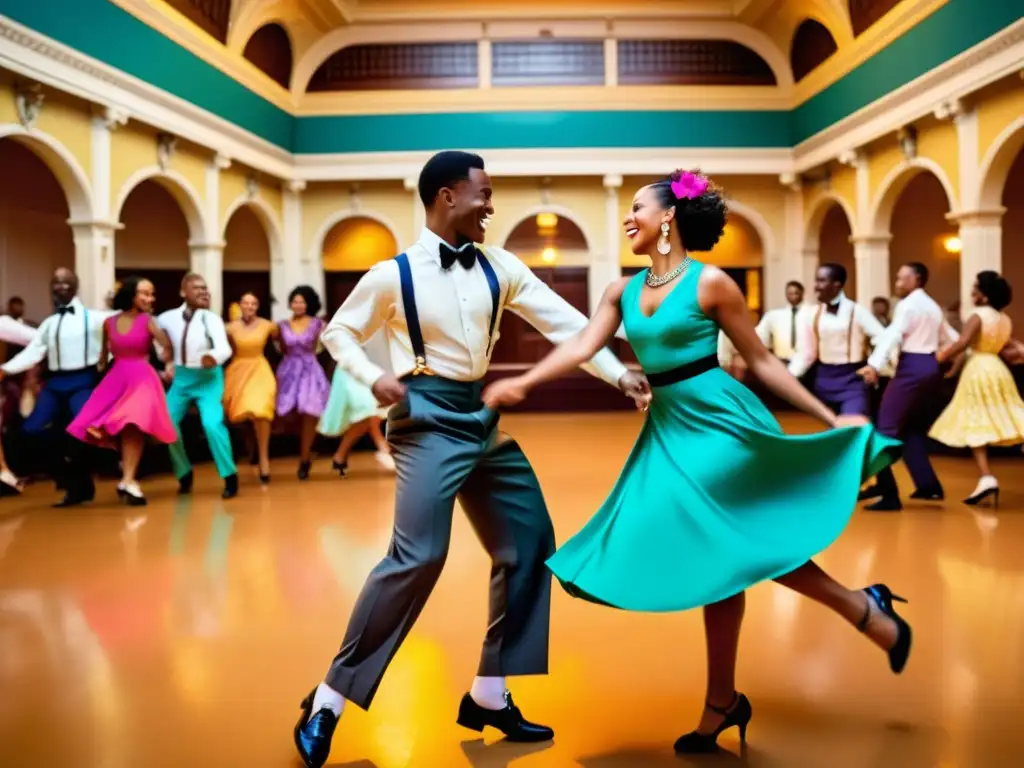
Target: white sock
column 489, row 692
column 327, row 697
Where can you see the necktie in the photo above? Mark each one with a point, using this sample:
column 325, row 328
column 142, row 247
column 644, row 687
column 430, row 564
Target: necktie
column 792, row 330
column 188, row 315
column 832, row 309
column 466, row 256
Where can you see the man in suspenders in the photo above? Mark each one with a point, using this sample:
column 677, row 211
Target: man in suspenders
column 833, row 334
column 441, row 303
column 70, row 340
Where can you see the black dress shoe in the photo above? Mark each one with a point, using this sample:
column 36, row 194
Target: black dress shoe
column 509, row 720
column 885, row 505
column 313, row 734
column 928, row 494
column 185, row 484
column 230, row 487
column 871, row 492
column 304, row 467
column 75, row 499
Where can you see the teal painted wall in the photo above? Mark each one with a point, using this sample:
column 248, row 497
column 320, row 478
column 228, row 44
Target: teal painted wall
column 102, row 30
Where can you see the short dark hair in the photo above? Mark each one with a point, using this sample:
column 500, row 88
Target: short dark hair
column 700, row 221
column 920, row 270
column 883, row 299
column 15, row 300
column 445, row 169
column 795, row 284
column 191, row 277
column 312, row 299
column 124, row 299
column 836, row 271
column 994, row 287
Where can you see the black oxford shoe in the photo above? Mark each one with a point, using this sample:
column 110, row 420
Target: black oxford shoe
column 928, row 494
column 185, row 484
column 313, row 734
column 509, row 720
column 230, row 487
column 885, row 505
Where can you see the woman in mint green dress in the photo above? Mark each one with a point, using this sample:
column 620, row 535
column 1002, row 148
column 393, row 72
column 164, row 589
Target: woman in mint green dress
column 714, row 497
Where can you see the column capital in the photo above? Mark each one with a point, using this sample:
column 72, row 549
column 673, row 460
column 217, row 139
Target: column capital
column 950, row 109
column 853, row 157
column 94, row 227
column 110, row 118
column 612, row 181
column 411, row 184
column 221, row 161
column 295, row 185
column 876, row 239
column 199, row 245
column 791, row 181
column 991, row 217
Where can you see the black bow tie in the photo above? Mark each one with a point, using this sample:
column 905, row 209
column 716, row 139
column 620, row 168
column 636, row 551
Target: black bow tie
column 466, row 256
column 69, row 310
column 832, row 309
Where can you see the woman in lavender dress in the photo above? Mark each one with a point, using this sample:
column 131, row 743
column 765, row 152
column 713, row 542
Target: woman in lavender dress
column 302, row 386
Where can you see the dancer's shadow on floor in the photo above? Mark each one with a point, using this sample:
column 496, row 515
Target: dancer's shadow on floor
column 354, row 764
column 657, row 757
column 500, row 753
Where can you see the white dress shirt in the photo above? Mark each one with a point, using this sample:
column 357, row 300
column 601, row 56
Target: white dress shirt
column 918, row 327
column 70, row 342
column 833, row 339
column 454, row 310
column 206, row 336
column 16, row 332
column 778, row 331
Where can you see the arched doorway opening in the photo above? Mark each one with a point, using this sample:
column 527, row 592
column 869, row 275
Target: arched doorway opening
column 350, row 246
column 35, row 237
column 247, row 257
column 154, row 241
column 829, row 234
column 921, row 232
column 555, row 248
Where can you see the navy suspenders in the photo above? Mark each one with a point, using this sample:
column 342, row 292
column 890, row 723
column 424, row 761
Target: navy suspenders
column 412, row 318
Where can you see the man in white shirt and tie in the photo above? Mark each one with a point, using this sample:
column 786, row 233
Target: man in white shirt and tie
column 778, row 328
column 833, row 338
column 441, row 304
column 918, row 328
column 201, row 347
column 70, row 340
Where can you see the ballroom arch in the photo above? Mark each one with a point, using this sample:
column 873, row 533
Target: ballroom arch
column 995, row 167
column 62, row 163
column 179, row 188
column 896, row 181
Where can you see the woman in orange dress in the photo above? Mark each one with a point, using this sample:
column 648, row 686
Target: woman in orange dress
column 250, row 388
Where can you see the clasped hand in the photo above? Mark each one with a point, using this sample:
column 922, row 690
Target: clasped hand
column 513, row 390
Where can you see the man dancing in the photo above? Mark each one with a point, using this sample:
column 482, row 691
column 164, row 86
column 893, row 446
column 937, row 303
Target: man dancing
column 441, row 303
column 833, row 336
column 70, row 340
column 918, row 327
column 201, row 347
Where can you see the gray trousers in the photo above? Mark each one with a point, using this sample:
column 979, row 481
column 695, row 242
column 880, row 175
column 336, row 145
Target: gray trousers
column 447, row 445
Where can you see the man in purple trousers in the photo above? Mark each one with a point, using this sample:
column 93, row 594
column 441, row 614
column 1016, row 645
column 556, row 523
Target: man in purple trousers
column 919, row 327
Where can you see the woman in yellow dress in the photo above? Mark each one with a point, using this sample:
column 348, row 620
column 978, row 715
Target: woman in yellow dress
column 250, row 387
column 987, row 408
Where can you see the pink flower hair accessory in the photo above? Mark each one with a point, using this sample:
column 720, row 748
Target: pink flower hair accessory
column 689, row 186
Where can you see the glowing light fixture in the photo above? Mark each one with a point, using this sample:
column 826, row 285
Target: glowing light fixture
column 549, row 255
column 953, row 244
column 547, row 220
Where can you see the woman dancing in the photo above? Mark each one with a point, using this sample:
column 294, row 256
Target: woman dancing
column 714, row 497
column 987, row 408
column 129, row 402
column 11, row 332
column 250, row 389
column 352, row 411
column 302, row 385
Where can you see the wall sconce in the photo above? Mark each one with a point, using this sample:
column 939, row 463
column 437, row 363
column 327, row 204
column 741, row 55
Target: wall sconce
column 953, row 244
column 549, row 255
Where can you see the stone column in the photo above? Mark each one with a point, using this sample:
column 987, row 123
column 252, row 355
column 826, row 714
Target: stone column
column 207, row 259
column 871, row 254
column 94, row 260
column 605, row 266
column 809, row 260
column 484, row 63
column 788, row 262
column 301, row 264
column 611, row 62
column 981, row 237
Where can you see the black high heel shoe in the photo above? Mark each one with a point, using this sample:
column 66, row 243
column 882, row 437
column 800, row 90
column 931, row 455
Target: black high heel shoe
column 976, row 499
column 341, row 467
column 304, row 467
column 883, row 597
column 737, row 714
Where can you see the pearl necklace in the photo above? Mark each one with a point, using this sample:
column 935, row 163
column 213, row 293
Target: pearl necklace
column 655, row 281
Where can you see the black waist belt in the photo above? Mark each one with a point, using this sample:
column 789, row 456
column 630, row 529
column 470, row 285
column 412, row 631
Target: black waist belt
column 683, row 372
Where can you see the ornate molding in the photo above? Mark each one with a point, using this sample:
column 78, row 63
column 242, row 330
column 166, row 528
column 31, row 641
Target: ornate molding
column 791, row 181
column 979, row 218
column 907, row 137
column 295, row 186
column 166, row 146
column 252, row 185
column 852, row 158
column 221, row 161
column 951, row 109
column 110, row 118
column 612, row 182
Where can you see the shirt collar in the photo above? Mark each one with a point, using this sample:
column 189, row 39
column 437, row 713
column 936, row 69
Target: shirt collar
column 838, row 300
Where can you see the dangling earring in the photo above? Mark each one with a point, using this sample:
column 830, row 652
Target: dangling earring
column 664, row 246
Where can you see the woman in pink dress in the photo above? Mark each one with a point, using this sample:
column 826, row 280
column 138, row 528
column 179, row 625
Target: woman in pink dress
column 129, row 402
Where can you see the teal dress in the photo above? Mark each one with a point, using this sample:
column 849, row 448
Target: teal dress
column 714, row 497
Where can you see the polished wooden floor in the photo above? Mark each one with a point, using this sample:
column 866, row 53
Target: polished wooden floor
column 185, row 635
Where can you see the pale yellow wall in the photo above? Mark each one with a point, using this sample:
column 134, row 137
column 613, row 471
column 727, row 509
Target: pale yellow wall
column 883, row 157
column 357, row 244
column 8, row 114
column 938, row 141
column 387, row 200
column 67, row 120
column 1002, row 104
column 581, row 199
column 134, row 147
